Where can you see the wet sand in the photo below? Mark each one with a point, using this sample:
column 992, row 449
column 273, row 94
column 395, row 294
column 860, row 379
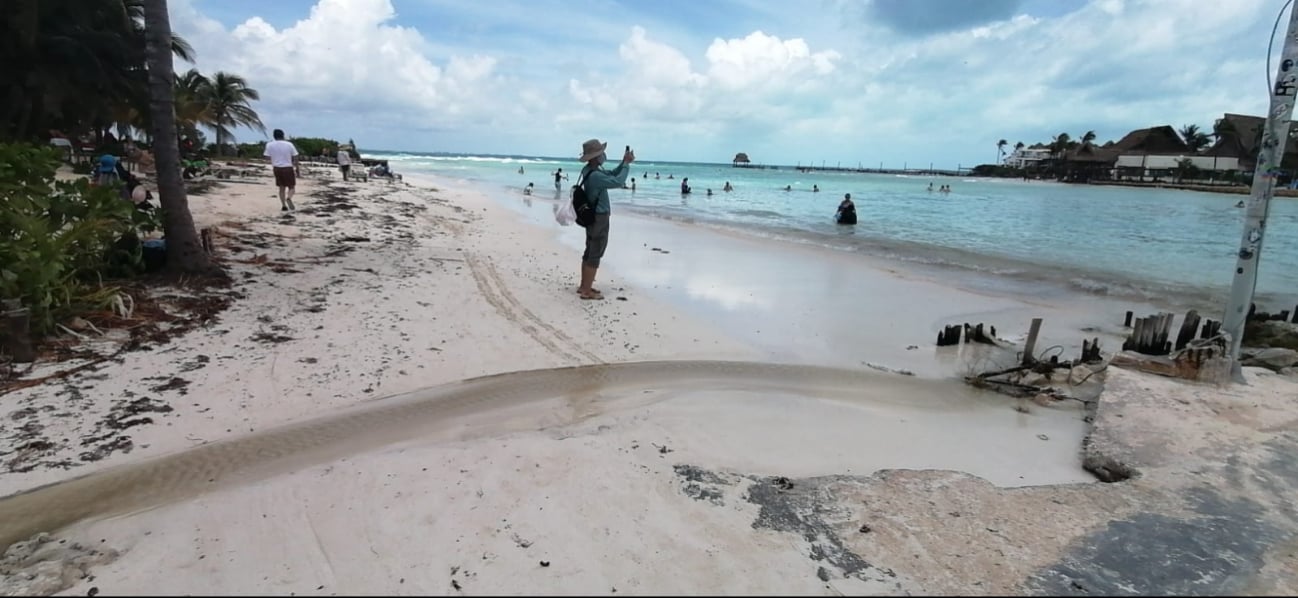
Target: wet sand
column 803, row 304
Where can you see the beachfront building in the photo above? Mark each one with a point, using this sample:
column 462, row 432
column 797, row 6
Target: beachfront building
column 1159, row 154
column 1029, row 157
column 1150, row 154
column 1239, row 138
column 1089, row 162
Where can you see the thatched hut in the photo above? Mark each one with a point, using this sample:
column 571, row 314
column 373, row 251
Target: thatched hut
column 741, row 158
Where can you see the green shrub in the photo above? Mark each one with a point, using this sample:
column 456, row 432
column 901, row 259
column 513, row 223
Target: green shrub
column 60, row 239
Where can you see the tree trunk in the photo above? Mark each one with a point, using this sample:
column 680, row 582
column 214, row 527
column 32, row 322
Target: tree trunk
column 184, row 252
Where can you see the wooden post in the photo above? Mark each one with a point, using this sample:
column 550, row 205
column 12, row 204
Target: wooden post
column 1189, row 326
column 1031, row 345
column 1295, row 315
column 1148, row 330
column 15, row 334
column 1133, row 341
column 1164, row 332
column 1126, row 322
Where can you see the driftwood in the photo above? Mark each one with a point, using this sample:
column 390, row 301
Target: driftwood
column 1020, row 390
column 30, row 382
column 1003, row 380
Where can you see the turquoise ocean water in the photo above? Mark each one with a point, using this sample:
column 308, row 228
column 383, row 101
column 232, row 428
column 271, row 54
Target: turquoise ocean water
column 1166, row 246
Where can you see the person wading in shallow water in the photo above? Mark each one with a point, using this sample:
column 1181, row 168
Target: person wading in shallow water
column 596, row 182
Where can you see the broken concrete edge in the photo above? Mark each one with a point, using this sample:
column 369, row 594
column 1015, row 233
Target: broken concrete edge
column 1105, row 467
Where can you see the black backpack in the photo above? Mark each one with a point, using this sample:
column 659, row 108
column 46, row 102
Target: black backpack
column 581, row 205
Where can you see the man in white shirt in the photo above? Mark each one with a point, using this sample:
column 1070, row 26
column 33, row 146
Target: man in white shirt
column 283, row 162
column 344, row 161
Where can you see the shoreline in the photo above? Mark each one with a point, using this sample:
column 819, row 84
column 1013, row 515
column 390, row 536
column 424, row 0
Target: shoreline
column 636, row 480
column 1032, row 263
column 1221, row 189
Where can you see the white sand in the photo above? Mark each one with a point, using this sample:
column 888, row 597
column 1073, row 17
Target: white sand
column 468, row 288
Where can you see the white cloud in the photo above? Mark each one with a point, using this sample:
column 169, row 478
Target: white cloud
column 739, row 63
column 348, row 59
column 792, row 84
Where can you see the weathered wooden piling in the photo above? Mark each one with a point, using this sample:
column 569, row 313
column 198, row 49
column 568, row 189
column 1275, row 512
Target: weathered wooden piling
column 1090, row 351
column 967, row 333
column 1029, row 348
column 1189, row 326
column 1126, row 322
column 949, row 335
column 205, row 237
column 15, row 332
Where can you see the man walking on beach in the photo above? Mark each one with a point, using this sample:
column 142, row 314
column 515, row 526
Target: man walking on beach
column 596, row 182
column 283, row 162
column 344, row 161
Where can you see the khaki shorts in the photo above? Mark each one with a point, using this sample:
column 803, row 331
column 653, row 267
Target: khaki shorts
column 596, row 241
column 285, row 176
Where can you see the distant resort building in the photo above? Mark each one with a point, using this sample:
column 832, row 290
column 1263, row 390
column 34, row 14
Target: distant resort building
column 1029, row 157
column 1159, row 154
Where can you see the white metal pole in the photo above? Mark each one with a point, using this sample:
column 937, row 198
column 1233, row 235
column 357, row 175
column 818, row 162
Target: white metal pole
column 1274, row 139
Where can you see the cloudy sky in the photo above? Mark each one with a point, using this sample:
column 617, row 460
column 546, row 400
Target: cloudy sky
column 851, row 81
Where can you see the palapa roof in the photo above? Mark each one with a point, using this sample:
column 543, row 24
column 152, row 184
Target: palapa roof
column 1160, row 140
column 741, row 158
column 1089, row 152
column 1242, row 139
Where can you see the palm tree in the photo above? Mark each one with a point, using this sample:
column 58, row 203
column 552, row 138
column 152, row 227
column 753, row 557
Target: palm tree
column 1222, row 128
column 1000, row 149
column 1194, row 138
column 75, row 66
column 1060, row 144
column 184, row 253
column 227, row 100
column 1088, row 137
column 191, row 101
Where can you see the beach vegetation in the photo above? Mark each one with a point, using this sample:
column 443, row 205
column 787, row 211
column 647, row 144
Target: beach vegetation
column 1186, row 170
column 314, row 146
column 75, row 67
column 79, row 70
column 61, row 239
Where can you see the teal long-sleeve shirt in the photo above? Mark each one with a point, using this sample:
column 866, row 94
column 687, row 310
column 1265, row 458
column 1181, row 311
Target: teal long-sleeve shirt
column 598, row 181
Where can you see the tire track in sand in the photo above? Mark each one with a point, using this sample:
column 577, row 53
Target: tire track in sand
column 496, row 292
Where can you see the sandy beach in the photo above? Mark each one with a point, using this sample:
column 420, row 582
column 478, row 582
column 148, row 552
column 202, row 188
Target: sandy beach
column 406, row 396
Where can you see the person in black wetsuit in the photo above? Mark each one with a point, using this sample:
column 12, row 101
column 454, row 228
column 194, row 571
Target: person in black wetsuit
column 846, row 211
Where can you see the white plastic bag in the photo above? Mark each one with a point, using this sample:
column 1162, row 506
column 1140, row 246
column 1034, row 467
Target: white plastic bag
column 564, row 214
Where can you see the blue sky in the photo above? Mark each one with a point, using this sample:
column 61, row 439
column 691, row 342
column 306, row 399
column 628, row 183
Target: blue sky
column 851, row 81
